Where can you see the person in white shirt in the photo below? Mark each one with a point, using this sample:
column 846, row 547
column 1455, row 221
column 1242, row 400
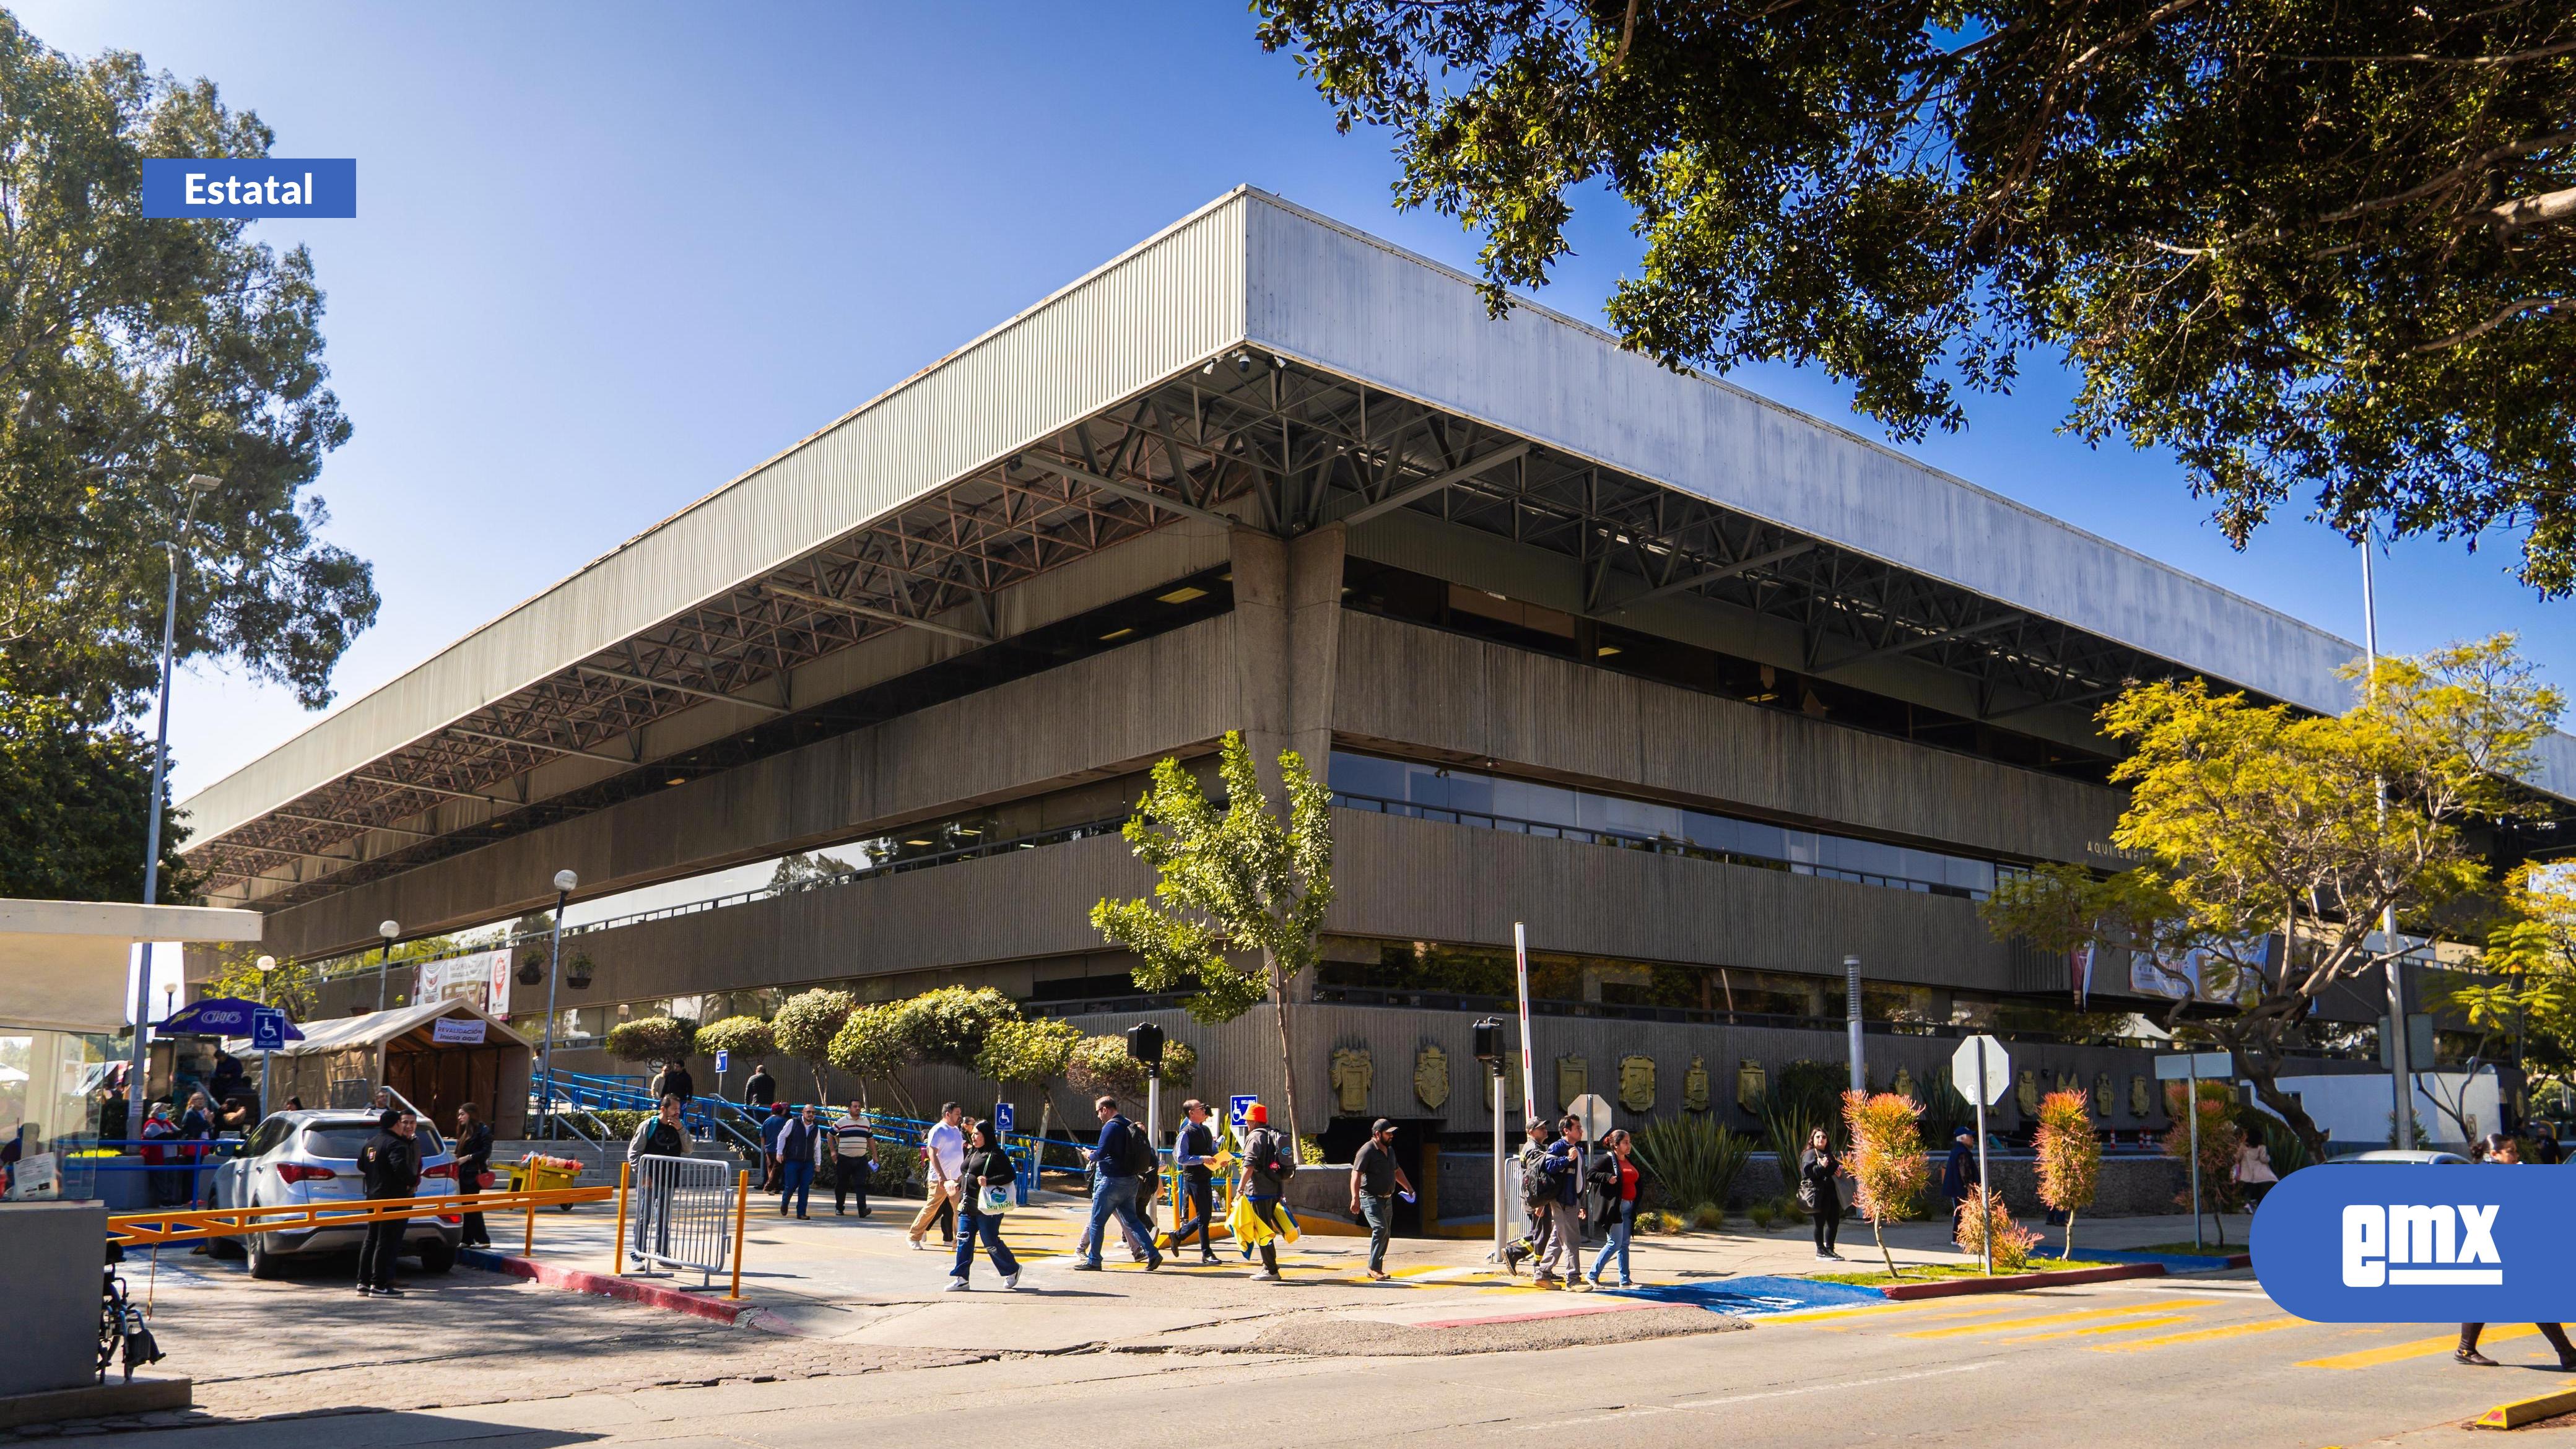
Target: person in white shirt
column 943, row 1157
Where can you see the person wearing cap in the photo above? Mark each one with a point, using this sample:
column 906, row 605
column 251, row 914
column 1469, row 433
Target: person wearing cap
column 1375, row 1180
column 1269, row 1160
column 1959, row 1174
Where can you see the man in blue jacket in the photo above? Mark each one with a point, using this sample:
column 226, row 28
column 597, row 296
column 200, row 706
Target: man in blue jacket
column 1563, row 1165
column 1959, row 1174
column 1122, row 1159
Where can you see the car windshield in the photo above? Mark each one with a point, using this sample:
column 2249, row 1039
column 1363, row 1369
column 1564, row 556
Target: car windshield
column 343, row 1139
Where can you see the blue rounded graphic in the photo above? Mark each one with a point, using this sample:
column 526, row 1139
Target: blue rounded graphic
column 2403, row 1243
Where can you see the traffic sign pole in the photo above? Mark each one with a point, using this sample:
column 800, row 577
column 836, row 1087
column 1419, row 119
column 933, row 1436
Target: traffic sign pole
column 1985, row 1229
column 1982, row 1057
column 2191, row 1105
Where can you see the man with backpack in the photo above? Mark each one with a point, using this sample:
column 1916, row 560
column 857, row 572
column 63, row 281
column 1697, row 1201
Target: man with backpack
column 659, row 1135
column 1269, row 1160
column 1124, row 1160
column 1195, row 1153
column 1536, row 1194
column 1562, row 1170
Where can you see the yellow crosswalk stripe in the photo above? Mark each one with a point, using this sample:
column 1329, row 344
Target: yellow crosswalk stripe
column 2048, row 1319
column 2412, row 1348
column 2204, row 1335
column 2128, row 1327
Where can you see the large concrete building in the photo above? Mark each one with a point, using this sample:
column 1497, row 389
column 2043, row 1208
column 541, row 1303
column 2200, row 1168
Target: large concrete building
column 1709, row 694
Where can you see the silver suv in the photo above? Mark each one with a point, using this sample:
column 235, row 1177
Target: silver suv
column 311, row 1156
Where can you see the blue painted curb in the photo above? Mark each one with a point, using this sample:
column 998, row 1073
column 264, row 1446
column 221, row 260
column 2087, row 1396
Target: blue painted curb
column 2174, row 1262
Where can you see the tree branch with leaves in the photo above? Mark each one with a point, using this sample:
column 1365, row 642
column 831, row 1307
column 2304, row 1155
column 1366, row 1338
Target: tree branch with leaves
column 1231, row 880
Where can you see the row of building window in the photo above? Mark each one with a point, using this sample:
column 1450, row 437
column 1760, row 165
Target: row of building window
column 1495, row 802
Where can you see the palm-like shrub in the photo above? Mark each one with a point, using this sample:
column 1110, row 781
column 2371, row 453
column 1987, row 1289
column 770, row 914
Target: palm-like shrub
column 2070, row 1157
column 1984, row 1219
column 1691, row 1160
column 2219, row 1140
column 1887, row 1161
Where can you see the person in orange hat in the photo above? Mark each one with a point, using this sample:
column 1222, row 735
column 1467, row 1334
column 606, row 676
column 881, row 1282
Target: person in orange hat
column 1269, row 1160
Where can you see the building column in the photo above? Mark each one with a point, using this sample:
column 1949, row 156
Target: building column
column 1288, row 602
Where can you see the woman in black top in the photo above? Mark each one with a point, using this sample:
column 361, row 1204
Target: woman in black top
column 473, row 1148
column 988, row 1164
column 1819, row 1194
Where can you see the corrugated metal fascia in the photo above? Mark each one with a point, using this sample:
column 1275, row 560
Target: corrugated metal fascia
column 1158, row 309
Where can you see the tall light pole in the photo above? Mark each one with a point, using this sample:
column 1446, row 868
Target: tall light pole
column 196, row 489
column 2400, row 1074
column 565, row 884
column 266, row 965
column 385, row 957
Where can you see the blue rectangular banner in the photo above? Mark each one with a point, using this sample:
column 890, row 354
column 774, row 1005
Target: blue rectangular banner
column 270, row 186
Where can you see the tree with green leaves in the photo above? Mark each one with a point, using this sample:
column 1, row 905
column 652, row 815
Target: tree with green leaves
column 805, row 1025
column 135, row 352
column 657, row 1039
column 1103, row 1064
column 72, row 813
column 2522, row 992
column 1236, row 880
column 293, row 987
column 870, row 1042
column 2314, row 249
column 1032, row 1052
column 948, row 1026
column 748, row 1037
column 2269, row 857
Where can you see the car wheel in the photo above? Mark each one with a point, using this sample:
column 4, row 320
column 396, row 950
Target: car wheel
column 263, row 1263
column 437, row 1255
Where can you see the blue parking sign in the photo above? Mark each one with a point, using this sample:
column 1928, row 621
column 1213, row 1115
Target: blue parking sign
column 1004, row 1119
column 267, row 1029
column 1235, row 1107
column 721, row 1059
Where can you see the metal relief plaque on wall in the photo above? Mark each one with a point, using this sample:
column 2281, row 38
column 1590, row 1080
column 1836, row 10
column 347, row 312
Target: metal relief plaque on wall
column 1353, row 1074
column 2026, row 1091
column 1750, row 1085
column 1695, row 1087
column 1637, row 1083
column 1573, row 1079
column 1431, row 1077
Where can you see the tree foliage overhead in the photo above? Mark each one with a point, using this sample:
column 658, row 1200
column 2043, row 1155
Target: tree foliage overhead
column 2319, row 251
column 2270, row 858
column 72, row 815
column 133, row 353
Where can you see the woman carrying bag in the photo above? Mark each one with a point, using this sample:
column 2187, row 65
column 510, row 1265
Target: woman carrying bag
column 1820, row 1194
column 473, row 1149
column 984, row 1195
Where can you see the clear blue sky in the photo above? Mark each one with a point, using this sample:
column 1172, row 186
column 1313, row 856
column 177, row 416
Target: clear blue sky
column 607, row 257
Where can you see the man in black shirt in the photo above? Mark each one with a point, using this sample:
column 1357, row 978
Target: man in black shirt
column 674, row 1081
column 1375, row 1180
column 762, row 1089
column 1195, row 1150
column 389, row 1168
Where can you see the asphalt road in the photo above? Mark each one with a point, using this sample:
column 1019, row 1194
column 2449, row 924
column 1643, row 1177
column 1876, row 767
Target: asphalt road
column 2145, row 1363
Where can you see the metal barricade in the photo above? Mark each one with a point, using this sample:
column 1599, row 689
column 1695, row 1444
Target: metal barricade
column 683, row 1213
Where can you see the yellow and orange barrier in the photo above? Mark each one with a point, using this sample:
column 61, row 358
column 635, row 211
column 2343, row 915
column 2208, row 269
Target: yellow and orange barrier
column 196, row 1225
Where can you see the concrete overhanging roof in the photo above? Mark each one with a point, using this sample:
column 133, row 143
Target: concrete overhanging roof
column 1252, row 271
column 64, row 965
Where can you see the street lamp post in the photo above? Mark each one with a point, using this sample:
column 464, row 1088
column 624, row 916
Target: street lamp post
column 385, row 957
column 565, row 884
column 266, row 965
column 2400, row 1073
column 196, row 488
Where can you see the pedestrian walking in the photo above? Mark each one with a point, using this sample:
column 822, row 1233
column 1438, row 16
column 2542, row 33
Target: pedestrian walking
column 1821, row 1193
column 659, row 1135
column 1375, row 1180
column 761, row 1089
column 770, row 1127
column 1959, row 1174
column 196, row 1126
column 1195, row 1153
column 985, row 1177
column 1534, row 1198
column 1269, row 1160
column 674, row 1081
column 943, row 1156
column 2504, row 1151
column 1562, row 1170
column 389, row 1170
column 800, row 1152
column 854, row 1159
column 2254, row 1176
column 473, row 1149
column 169, row 1188
column 1615, row 1190
column 1121, row 1162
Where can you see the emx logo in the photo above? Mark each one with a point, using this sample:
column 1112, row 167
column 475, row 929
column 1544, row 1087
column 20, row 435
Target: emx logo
column 2408, row 1244
column 2403, row 1243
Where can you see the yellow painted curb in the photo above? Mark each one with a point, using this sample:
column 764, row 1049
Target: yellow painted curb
column 2528, row 1411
